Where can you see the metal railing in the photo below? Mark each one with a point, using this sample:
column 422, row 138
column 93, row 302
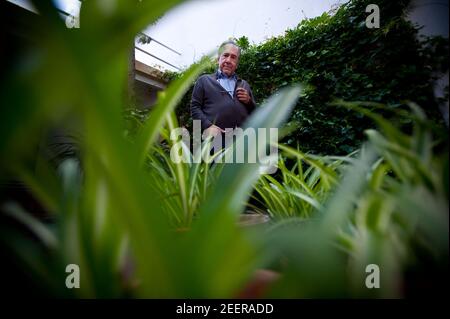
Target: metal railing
column 152, row 39
column 161, row 44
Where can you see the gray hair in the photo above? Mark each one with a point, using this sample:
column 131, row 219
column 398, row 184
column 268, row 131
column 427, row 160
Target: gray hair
column 222, row 47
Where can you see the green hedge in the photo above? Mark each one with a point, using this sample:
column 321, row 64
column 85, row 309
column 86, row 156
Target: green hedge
column 337, row 57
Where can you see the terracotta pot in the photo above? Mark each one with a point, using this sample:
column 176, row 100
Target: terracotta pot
column 259, row 284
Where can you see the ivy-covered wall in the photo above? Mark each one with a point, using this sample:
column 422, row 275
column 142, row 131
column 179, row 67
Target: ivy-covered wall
column 337, row 57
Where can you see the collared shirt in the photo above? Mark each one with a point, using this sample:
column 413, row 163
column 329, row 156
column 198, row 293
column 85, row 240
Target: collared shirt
column 228, row 83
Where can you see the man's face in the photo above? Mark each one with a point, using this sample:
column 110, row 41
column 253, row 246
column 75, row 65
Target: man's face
column 229, row 59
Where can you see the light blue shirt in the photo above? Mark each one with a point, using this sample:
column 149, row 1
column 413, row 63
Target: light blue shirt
column 228, row 83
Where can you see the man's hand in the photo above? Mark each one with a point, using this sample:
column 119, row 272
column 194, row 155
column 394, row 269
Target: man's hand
column 242, row 95
column 213, row 131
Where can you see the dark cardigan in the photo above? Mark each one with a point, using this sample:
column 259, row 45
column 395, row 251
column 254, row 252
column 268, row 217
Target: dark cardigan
column 212, row 104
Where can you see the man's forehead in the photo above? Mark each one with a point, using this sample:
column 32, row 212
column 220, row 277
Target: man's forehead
column 230, row 48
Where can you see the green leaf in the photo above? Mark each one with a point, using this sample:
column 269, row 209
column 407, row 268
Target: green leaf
column 236, row 180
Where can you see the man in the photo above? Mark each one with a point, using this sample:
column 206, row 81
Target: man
column 222, row 100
